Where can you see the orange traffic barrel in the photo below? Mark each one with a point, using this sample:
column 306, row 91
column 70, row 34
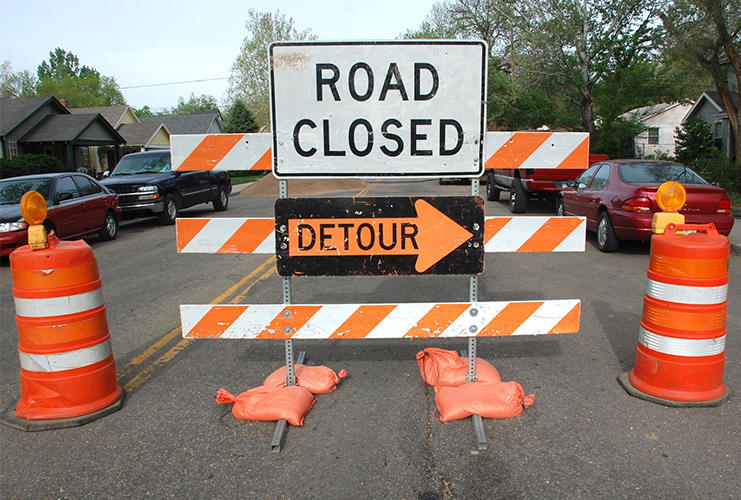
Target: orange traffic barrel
column 680, row 356
column 68, row 374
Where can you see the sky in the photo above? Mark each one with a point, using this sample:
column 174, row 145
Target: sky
column 159, row 50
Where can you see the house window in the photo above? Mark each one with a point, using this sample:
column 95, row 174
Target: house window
column 12, row 149
column 718, row 130
column 653, row 136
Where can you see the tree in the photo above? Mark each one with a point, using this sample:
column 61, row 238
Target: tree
column 574, row 44
column 194, row 104
column 63, row 77
column 241, row 120
column 249, row 73
column 694, row 142
column 437, row 25
column 16, row 85
column 144, row 112
column 709, row 32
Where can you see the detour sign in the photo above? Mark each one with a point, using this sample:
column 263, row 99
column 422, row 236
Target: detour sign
column 373, row 236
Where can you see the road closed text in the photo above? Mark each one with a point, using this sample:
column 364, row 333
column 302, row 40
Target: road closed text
column 361, row 135
column 376, row 109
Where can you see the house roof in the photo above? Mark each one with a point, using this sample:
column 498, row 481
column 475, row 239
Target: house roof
column 140, row 134
column 646, row 112
column 713, row 97
column 195, row 123
column 112, row 114
column 14, row 112
column 68, row 128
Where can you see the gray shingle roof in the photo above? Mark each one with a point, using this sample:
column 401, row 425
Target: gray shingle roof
column 198, row 123
column 138, row 134
column 64, row 128
column 14, row 111
column 112, row 114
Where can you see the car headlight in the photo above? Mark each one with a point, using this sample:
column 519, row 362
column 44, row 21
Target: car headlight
column 9, row 227
column 147, row 193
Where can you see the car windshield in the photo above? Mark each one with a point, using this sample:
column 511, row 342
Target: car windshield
column 658, row 173
column 142, row 164
column 12, row 190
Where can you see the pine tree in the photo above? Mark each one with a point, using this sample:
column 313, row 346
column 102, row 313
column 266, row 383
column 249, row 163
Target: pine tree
column 240, row 120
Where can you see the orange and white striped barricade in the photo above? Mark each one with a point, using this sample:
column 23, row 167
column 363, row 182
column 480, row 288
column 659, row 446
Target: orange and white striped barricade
column 502, row 150
column 501, row 234
column 68, row 374
column 680, row 357
column 222, row 152
column 380, row 321
column 469, row 320
column 542, row 150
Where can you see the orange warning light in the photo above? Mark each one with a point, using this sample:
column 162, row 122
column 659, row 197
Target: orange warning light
column 671, row 196
column 33, row 208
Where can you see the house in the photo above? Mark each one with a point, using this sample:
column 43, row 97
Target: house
column 201, row 122
column 44, row 125
column 709, row 106
column 661, row 122
column 139, row 136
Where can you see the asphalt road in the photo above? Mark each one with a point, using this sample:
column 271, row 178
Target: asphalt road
column 377, row 436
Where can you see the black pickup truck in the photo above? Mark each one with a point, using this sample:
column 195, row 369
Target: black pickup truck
column 147, row 186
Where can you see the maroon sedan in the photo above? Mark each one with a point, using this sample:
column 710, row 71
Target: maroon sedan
column 618, row 199
column 77, row 205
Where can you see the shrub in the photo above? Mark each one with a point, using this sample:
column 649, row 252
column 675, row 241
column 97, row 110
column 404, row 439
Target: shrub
column 28, row 164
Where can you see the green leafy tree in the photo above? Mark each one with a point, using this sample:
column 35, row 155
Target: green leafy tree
column 144, row 112
column 203, row 102
column 694, row 142
column 63, row 77
column 16, row 85
column 241, row 120
column 574, row 44
column 249, row 73
column 708, row 33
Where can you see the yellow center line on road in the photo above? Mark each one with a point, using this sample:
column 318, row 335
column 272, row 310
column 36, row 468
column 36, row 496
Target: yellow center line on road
column 150, row 351
column 365, row 190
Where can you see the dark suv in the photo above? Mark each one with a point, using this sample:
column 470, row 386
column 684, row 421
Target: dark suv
column 147, row 186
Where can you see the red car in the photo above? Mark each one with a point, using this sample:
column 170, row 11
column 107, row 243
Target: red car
column 77, row 205
column 618, row 198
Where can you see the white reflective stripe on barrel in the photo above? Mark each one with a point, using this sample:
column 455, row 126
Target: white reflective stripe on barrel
column 59, row 362
column 59, row 306
column 699, row 295
column 682, row 347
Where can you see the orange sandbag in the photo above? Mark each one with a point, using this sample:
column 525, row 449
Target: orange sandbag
column 488, row 399
column 315, row 379
column 270, row 403
column 439, row 367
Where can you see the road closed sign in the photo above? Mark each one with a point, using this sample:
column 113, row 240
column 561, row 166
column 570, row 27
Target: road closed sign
column 397, row 108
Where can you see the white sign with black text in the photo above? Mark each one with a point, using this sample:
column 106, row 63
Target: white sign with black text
column 362, row 109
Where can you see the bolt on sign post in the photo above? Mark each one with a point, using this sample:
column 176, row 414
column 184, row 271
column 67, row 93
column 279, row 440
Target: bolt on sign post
column 398, row 109
column 68, row 374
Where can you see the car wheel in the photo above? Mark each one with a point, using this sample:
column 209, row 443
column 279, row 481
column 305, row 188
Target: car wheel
column 171, row 211
column 560, row 210
column 606, row 239
column 517, row 198
column 109, row 231
column 492, row 191
column 222, row 201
